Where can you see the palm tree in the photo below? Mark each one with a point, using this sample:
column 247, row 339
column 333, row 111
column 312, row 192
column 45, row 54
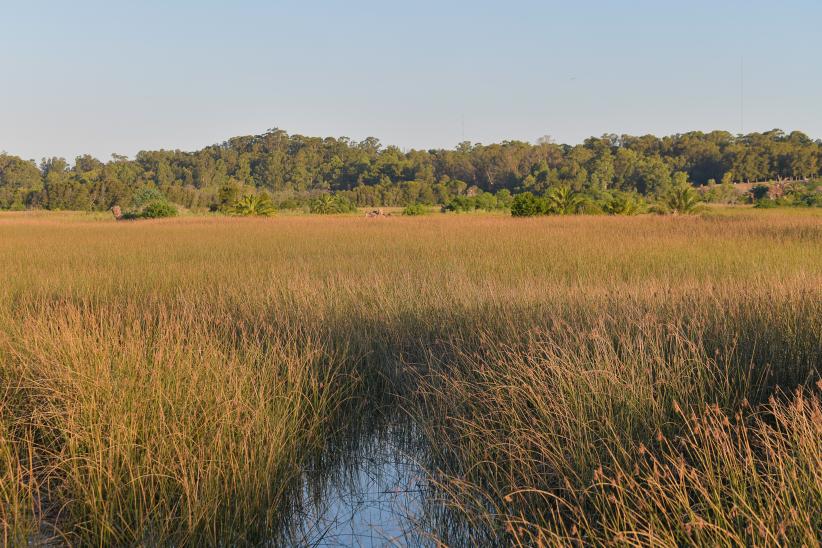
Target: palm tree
column 325, row 204
column 254, row 205
column 682, row 199
column 564, row 201
column 624, row 203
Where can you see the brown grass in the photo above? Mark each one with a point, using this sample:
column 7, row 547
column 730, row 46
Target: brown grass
column 166, row 382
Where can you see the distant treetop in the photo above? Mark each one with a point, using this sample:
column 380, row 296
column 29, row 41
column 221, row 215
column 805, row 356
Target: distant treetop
column 366, row 173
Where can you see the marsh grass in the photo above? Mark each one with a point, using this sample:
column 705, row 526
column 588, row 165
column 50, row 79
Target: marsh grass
column 17, row 513
column 522, row 434
column 170, row 382
column 751, row 480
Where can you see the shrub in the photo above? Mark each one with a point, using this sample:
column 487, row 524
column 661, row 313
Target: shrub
column 415, row 209
column 807, row 194
column 145, row 196
column 724, row 193
column 526, row 205
column 486, row 201
column 329, row 204
column 811, row 200
column 590, row 207
column 226, row 197
column 624, row 203
column 483, row 200
column 289, row 203
column 158, row 208
column 504, row 199
column 460, row 204
column 759, row 191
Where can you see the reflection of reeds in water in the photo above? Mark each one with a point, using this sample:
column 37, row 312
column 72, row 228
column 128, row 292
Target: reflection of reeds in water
column 369, row 493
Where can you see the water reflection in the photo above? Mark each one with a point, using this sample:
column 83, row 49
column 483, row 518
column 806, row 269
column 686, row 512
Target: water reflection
column 373, row 494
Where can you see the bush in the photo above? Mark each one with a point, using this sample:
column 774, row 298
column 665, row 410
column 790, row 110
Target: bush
column 807, row 194
column 460, row 204
column 526, row 205
column 504, row 199
column 485, row 201
column 624, row 203
column 415, row 209
column 146, row 196
column 765, row 203
column 810, row 200
column 565, row 201
column 759, row 192
column 158, row 208
column 289, row 203
column 328, row 204
column 724, row 193
column 591, row 208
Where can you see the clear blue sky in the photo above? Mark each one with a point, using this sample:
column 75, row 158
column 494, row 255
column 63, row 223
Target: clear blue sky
column 117, row 76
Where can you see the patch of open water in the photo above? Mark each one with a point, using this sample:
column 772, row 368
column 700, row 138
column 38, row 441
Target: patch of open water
column 375, row 496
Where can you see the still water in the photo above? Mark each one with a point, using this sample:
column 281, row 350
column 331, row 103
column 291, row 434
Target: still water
column 375, row 495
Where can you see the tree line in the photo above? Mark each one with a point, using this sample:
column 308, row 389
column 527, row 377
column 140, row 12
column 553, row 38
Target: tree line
column 295, row 170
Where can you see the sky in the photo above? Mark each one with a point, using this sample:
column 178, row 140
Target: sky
column 118, row 76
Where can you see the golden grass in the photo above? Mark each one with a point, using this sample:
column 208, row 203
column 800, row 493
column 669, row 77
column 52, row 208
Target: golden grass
column 166, row 382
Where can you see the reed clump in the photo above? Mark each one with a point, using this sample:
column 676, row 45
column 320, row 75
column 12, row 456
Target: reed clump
column 525, row 435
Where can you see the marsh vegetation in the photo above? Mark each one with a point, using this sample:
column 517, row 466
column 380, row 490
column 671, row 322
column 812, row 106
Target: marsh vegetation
column 557, row 380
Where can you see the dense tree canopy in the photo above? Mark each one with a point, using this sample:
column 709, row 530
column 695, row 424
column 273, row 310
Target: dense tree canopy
column 295, row 169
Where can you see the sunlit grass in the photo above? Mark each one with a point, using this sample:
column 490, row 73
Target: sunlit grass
column 167, row 382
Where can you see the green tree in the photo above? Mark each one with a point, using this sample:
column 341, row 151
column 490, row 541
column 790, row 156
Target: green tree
column 227, row 196
column 652, row 176
column 602, row 171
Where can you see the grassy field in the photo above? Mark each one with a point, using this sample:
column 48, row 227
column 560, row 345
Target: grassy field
column 590, row 380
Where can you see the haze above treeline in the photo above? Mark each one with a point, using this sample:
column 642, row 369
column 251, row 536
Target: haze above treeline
column 369, row 173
